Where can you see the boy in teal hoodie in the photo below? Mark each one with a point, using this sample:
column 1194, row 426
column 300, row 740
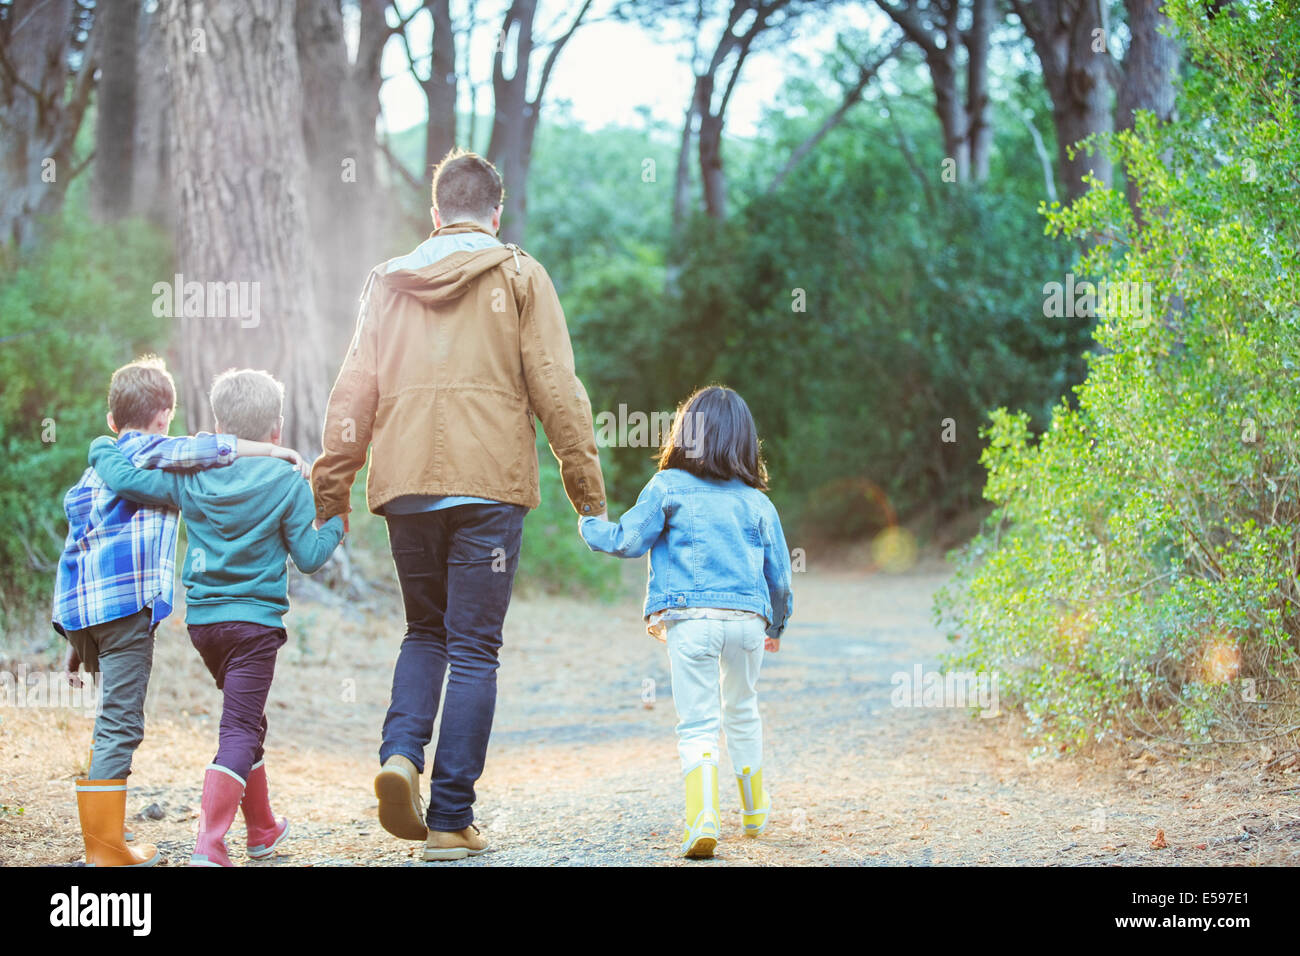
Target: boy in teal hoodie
column 244, row 521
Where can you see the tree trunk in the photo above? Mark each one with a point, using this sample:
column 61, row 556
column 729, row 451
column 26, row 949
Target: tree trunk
column 340, row 107
column 151, row 174
column 509, row 118
column 960, row 120
column 1077, row 76
column 950, row 109
column 240, row 183
column 40, row 113
column 515, row 116
column 115, row 108
column 682, row 176
column 712, row 178
column 440, row 88
column 979, row 131
column 1149, row 69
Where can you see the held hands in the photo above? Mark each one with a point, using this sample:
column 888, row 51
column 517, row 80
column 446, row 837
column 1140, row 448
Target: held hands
column 317, row 523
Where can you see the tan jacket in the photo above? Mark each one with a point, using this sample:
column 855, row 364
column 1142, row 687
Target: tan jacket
column 448, row 365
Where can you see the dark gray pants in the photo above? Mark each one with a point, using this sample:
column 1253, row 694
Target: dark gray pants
column 121, row 652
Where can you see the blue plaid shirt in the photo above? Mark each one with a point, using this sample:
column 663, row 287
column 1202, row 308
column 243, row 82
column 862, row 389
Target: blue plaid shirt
column 120, row 557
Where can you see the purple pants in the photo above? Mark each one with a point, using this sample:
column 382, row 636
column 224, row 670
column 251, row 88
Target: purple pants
column 241, row 656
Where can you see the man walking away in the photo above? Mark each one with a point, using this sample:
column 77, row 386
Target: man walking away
column 457, row 345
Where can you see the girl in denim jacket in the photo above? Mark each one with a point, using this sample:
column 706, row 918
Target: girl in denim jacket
column 718, row 596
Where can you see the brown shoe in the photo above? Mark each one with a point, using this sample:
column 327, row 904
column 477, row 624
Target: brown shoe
column 401, row 811
column 454, row 845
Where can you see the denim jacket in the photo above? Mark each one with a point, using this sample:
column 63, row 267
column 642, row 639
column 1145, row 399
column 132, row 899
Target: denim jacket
column 712, row 544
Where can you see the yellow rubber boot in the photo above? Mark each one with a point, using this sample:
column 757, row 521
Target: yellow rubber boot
column 754, row 801
column 127, row 835
column 702, row 822
column 101, row 804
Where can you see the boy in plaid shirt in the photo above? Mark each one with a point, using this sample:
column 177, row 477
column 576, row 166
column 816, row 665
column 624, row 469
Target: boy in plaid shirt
column 115, row 584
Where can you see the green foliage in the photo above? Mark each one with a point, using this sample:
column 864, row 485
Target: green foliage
column 554, row 558
column 616, row 313
column 858, row 307
column 1138, row 574
column 597, row 197
column 70, row 314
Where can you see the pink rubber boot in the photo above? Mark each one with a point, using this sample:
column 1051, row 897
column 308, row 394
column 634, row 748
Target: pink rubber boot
column 264, row 831
column 222, row 791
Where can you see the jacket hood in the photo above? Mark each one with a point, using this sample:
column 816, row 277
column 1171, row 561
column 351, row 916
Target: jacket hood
column 234, row 499
column 450, row 277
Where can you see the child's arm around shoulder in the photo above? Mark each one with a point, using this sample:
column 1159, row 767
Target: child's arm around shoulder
column 309, row 546
column 206, row 450
column 158, row 489
column 636, row 532
column 777, row 573
column 187, row 452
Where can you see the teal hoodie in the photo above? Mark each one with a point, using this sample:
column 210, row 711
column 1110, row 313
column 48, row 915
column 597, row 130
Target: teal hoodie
column 244, row 521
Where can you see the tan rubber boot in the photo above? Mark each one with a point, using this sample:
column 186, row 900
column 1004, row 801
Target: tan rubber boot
column 101, row 804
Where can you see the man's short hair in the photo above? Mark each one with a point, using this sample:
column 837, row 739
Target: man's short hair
column 247, row 403
column 139, row 391
column 466, row 186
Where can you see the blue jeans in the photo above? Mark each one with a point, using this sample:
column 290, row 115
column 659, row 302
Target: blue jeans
column 456, row 568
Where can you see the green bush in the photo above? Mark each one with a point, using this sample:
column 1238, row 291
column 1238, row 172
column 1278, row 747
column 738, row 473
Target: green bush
column 70, row 313
column 1139, row 572
column 861, row 324
column 554, row 558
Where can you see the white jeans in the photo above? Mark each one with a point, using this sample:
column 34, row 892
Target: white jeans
column 715, row 666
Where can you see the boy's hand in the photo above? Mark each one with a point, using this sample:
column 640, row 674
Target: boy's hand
column 72, row 664
column 772, row 644
column 293, row 458
column 245, row 448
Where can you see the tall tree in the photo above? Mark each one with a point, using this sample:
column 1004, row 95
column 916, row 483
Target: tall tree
column 439, row 82
column 516, row 110
column 113, row 178
column 1150, row 66
column 47, row 70
column 723, row 34
column 151, row 156
column 345, row 204
column 1070, row 38
column 979, row 127
column 710, row 106
column 240, row 179
column 936, row 27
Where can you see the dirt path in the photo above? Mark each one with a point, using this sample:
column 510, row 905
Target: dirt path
column 583, row 771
